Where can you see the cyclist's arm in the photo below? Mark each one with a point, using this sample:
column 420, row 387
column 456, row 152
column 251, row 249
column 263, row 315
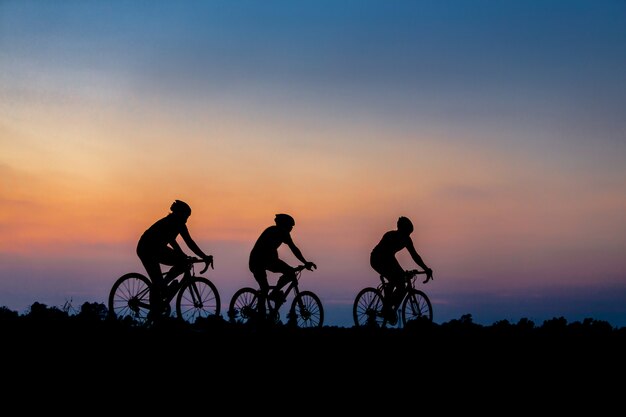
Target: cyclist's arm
column 298, row 254
column 174, row 244
column 184, row 233
column 417, row 258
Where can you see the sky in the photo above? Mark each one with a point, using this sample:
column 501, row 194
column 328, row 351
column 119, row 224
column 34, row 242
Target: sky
column 497, row 127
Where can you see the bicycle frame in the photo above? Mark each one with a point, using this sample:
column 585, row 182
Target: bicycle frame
column 368, row 307
column 305, row 310
column 409, row 281
column 293, row 286
column 188, row 275
column 196, row 296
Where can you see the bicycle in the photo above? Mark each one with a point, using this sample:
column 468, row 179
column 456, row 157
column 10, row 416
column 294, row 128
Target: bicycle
column 196, row 296
column 306, row 308
column 368, row 304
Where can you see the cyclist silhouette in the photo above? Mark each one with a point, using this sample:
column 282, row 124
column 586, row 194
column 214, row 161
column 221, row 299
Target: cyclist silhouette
column 383, row 260
column 158, row 245
column 264, row 257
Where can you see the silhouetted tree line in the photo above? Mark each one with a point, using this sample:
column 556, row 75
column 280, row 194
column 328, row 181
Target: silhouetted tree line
column 88, row 343
column 95, row 313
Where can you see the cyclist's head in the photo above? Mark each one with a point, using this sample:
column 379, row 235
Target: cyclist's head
column 284, row 220
column 405, row 225
column 181, row 208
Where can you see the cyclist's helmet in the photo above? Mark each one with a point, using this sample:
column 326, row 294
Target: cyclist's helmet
column 405, row 225
column 284, row 220
column 180, row 207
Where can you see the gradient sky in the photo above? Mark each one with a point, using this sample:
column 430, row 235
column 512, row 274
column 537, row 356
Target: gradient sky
column 498, row 127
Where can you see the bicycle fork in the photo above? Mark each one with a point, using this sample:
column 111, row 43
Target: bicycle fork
column 416, row 308
column 195, row 295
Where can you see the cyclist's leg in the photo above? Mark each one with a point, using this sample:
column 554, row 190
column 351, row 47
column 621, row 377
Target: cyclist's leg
column 396, row 279
column 153, row 268
column 260, row 275
column 177, row 261
column 152, row 258
column 381, row 266
column 179, row 265
column 389, row 268
column 281, row 267
column 393, row 300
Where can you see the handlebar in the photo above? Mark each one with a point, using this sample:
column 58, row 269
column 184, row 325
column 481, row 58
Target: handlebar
column 413, row 272
column 207, row 262
column 303, row 266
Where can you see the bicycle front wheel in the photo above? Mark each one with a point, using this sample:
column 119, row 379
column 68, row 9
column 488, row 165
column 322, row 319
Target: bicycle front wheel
column 368, row 308
column 130, row 298
column 416, row 306
column 243, row 305
column 306, row 310
column 197, row 298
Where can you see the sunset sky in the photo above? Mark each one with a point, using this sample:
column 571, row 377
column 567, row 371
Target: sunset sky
column 498, row 127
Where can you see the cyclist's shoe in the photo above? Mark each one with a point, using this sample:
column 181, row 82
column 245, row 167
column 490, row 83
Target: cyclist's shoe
column 277, row 296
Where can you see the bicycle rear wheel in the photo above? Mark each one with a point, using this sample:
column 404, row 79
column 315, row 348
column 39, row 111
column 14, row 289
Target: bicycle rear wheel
column 243, row 305
column 416, row 306
column 130, row 298
column 197, row 298
column 306, row 310
column 368, row 308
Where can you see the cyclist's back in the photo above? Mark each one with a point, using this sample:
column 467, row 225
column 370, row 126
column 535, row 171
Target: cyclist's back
column 391, row 243
column 265, row 250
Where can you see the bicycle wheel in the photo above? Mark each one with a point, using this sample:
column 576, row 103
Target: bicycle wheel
column 197, row 298
column 243, row 305
column 368, row 308
column 416, row 306
column 130, row 298
column 306, row 310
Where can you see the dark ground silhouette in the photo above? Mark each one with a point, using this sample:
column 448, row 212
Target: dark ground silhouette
column 50, row 349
